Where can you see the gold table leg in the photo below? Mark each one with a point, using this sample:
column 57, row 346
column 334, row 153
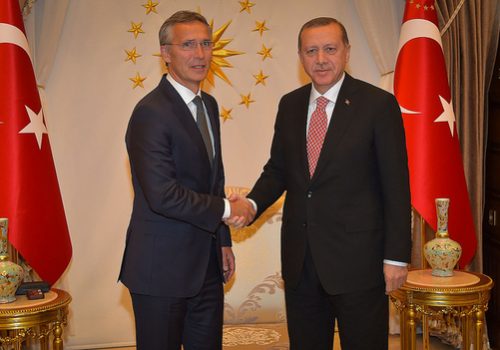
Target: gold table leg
column 44, row 345
column 479, row 329
column 425, row 332
column 17, row 345
column 402, row 329
column 466, row 341
column 411, row 330
column 58, row 342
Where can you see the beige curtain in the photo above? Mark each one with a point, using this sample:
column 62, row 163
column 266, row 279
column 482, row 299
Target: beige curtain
column 470, row 45
column 384, row 24
column 44, row 20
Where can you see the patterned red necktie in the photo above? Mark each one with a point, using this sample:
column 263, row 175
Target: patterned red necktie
column 316, row 133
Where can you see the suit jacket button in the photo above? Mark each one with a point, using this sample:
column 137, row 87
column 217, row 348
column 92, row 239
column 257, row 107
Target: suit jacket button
column 304, row 224
column 309, row 194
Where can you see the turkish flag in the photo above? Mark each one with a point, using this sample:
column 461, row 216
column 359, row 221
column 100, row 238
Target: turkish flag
column 434, row 157
column 29, row 192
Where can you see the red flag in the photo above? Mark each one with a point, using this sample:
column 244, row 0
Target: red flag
column 29, row 192
column 435, row 162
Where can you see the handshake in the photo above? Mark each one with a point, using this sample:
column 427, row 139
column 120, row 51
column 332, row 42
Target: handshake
column 242, row 211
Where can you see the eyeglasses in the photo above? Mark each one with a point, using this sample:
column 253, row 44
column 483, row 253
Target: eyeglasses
column 192, row 45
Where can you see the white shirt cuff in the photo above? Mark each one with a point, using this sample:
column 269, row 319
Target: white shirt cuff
column 227, row 209
column 396, row 263
column 254, row 205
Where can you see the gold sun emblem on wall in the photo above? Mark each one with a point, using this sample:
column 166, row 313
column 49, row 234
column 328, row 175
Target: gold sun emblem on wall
column 220, row 61
column 219, row 55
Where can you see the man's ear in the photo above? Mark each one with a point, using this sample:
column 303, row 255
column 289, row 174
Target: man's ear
column 348, row 54
column 165, row 53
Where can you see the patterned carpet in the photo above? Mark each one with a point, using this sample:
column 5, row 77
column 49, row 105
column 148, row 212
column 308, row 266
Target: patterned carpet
column 273, row 336
column 259, row 336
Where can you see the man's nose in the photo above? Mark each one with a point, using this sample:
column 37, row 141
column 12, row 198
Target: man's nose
column 199, row 51
column 321, row 56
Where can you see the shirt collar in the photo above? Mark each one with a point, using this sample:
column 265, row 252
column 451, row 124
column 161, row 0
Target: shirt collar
column 186, row 94
column 331, row 94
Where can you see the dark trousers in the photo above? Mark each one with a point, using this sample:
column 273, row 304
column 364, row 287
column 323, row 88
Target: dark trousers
column 362, row 316
column 164, row 323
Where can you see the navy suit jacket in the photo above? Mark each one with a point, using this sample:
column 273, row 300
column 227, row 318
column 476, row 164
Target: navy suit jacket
column 178, row 203
column 355, row 211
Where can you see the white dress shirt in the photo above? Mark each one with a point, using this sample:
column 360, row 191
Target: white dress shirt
column 187, row 96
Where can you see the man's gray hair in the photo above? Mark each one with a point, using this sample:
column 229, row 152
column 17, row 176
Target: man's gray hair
column 165, row 33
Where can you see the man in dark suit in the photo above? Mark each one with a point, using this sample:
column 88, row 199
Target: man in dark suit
column 339, row 153
column 178, row 250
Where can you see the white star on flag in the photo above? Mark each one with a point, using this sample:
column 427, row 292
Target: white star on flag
column 36, row 126
column 447, row 115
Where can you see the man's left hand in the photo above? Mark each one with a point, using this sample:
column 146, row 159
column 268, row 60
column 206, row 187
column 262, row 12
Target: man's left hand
column 228, row 263
column 394, row 276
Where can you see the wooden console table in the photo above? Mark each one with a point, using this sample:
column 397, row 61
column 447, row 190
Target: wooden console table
column 424, row 297
column 26, row 319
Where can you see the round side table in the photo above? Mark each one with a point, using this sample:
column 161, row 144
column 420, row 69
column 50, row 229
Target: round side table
column 424, row 297
column 40, row 319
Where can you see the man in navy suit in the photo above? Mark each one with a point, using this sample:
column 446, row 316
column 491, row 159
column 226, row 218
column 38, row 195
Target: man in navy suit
column 178, row 249
column 339, row 153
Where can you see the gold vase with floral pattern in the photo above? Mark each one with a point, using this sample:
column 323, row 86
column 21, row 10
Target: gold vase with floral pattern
column 442, row 253
column 11, row 274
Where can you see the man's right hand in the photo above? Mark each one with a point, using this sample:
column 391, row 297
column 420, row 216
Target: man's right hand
column 242, row 211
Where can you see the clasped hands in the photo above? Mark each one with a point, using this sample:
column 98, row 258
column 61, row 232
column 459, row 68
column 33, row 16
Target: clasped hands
column 242, row 211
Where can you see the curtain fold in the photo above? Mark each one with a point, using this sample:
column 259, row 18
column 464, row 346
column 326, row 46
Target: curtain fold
column 382, row 19
column 49, row 18
column 470, row 45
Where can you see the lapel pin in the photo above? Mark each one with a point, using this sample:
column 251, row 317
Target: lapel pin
column 347, row 102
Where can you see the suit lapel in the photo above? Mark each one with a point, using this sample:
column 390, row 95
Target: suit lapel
column 301, row 108
column 184, row 116
column 342, row 117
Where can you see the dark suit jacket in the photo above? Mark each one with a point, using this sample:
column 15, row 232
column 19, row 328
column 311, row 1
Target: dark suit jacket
column 355, row 211
column 177, row 206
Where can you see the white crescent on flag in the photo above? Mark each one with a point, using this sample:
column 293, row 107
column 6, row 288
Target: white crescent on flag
column 417, row 28
column 10, row 34
column 420, row 28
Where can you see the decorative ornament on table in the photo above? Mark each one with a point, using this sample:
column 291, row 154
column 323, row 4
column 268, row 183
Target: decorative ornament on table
column 442, row 253
column 11, row 274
